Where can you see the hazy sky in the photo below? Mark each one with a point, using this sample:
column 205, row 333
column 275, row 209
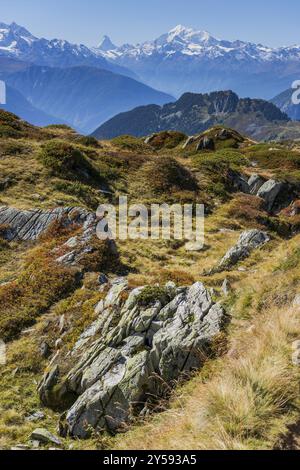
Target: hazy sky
column 271, row 22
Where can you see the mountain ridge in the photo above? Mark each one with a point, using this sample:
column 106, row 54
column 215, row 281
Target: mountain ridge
column 82, row 96
column 17, row 42
column 194, row 113
column 199, row 59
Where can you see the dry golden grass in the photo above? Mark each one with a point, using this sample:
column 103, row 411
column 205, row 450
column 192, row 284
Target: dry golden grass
column 246, row 399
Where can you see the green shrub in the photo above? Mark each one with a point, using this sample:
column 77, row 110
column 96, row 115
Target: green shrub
column 164, row 175
column 87, row 141
column 79, row 190
column 41, row 283
column 152, row 294
column 61, row 157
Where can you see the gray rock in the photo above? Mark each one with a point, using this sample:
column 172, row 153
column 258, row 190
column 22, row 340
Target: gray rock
column 226, row 287
column 206, row 143
column 139, row 349
column 194, row 246
column 20, row 447
column 248, row 241
column 45, row 350
column 190, row 140
column 36, row 416
column 49, row 380
column 44, row 436
column 296, row 301
column 30, row 224
column 238, row 182
column 255, row 182
column 103, row 279
column 269, row 191
column 296, row 345
column 62, row 324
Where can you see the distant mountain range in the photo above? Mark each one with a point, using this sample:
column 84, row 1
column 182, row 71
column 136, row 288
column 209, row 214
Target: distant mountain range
column 18, row 43
column 189, row 60
column 194, row 113
column 56, row 81
column 82, row 96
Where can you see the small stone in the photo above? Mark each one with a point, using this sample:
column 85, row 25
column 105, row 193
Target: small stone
column 296, row 358
column 45, row 436
column 251, row 329
column 170, row 285
column 45, row 350
column 35, row 444
column 36, row 416
column 226, row 287
column 72, row 242
column 62, row 324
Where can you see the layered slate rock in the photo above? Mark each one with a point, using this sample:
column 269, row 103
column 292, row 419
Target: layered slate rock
column 132, row 352
column 30, row 224
column 269, row 192
column 255, row 182
column 248, row 241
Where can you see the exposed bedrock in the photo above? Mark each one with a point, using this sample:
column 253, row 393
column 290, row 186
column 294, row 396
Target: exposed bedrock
column 131, row 353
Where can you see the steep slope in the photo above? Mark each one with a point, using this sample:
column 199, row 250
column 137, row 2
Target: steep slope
column 194, row 113
column 82, row 96
column 18, row 43
column 190, row 60
column 17, row 104
column 108, row 333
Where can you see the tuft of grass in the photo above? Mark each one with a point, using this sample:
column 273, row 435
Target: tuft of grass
column 62, row 158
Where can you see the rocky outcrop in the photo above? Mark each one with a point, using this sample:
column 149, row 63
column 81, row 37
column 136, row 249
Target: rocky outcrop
column 30, row 224
column 248, row 241
column 132, row 352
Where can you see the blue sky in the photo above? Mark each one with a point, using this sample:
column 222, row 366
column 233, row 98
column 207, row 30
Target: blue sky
column 271, row 22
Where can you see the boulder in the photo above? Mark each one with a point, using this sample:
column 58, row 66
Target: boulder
column 137, row 345
column 238, row 182
column 248, row 241
column 255, row 182
column 269, row 191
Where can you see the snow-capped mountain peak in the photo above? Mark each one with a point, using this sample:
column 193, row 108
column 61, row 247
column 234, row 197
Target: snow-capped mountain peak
column 18, row 43
column 189, row 35
column 106, row 44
